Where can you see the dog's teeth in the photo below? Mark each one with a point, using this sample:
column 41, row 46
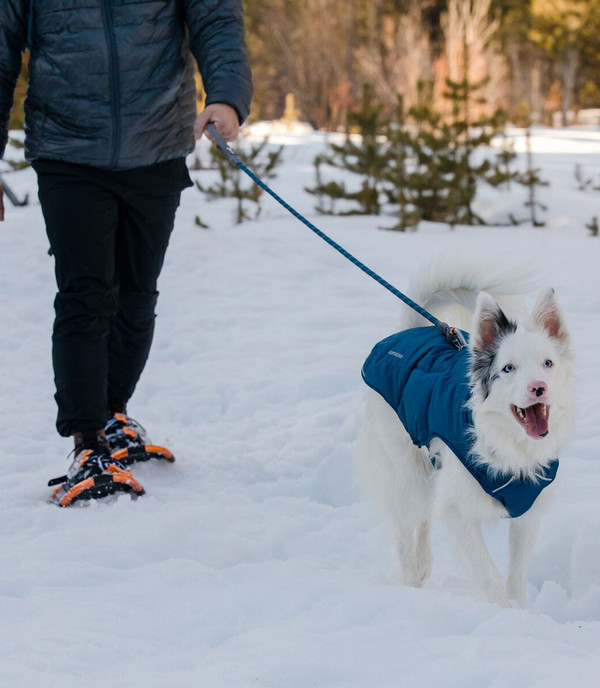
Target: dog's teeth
column 521, row 413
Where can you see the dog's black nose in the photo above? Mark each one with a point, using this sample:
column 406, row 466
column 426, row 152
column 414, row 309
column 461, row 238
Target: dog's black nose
column 539, row 391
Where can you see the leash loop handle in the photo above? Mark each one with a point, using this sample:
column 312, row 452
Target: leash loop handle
column 223, row 146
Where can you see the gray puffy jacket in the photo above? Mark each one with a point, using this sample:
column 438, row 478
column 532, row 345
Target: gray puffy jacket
column 111, row 81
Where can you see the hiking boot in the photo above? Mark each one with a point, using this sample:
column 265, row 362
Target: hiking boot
column 93, row 474
column 128, row 441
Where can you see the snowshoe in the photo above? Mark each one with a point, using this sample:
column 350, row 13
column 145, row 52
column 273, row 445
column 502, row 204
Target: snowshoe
column 93, row 474
column 128, row 441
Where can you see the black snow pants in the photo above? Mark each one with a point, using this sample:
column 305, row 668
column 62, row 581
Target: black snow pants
column 108, row 232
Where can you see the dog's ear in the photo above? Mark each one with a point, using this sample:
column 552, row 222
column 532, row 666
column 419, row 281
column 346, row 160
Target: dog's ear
column 489, row 323
column 547, row 316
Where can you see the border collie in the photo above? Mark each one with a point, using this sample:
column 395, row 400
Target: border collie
column 468, row 435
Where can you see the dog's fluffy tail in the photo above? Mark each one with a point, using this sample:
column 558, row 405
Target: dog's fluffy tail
column 448, row 288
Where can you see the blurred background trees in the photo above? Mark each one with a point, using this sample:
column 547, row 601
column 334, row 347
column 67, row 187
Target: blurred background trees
column 538, row 57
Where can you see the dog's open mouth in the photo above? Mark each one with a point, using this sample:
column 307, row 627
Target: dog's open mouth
column 533, row 419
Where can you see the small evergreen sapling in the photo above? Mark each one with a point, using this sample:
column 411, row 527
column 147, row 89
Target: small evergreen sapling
column 332, row 191
column 502, row 173
column 532, row 180
column 199, row 223
column 468, row 134
column 234, row 184
column 366, row 158
column 593, row 226
column 583, row 182
column 429, row 170
column 396, row 174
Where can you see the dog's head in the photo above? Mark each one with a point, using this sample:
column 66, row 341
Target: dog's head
column 521, row 373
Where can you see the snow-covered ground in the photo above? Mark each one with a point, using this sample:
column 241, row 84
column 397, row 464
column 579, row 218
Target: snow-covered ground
column 253, row 560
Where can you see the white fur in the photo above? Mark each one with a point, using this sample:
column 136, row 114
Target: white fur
column 400, row 476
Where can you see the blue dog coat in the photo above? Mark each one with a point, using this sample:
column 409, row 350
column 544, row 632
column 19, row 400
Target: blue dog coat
column 425, row 380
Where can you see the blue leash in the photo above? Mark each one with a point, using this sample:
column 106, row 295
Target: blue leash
column 452, row 334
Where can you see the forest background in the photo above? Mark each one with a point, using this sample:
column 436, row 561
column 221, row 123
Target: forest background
column 540, row 57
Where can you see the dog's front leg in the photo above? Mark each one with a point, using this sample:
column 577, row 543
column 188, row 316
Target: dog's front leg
column 468, row 540
column 523, row 532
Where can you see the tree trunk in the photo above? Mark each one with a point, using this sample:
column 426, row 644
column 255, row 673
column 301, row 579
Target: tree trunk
column 569, row 67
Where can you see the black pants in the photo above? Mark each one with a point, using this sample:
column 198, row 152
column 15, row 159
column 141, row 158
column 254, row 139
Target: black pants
column 108, row 231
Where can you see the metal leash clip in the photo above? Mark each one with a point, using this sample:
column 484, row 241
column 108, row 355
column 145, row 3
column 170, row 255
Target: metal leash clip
column 453, row 335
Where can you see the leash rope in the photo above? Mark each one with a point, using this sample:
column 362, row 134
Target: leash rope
column 452, row 334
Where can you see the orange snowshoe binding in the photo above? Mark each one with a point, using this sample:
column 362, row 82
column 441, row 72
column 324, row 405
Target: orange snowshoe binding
column 128, row 441
column 94, row 474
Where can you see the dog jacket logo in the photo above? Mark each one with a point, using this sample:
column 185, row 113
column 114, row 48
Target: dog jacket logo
column 428, row 387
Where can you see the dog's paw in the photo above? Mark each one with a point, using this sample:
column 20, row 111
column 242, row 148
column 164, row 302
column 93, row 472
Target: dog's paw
column 517, row 594
column 415, row 566
column 413, row 579
column 416, row 576
column 496, row 594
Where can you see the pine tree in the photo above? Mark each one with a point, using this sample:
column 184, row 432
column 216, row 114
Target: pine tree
column 431, row 145
column 531, row 179
column 428, row 171
column 366, row 157
column 322, row 190
column 468, row 135
column 398, row 190
column 502, row 173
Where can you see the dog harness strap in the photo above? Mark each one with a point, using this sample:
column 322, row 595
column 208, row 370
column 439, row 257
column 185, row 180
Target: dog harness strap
column 425, row 380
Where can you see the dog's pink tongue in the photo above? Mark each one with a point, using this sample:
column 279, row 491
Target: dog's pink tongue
column 536, row 420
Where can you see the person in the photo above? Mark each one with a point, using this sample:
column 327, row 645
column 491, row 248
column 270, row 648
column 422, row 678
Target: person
column 110, row 115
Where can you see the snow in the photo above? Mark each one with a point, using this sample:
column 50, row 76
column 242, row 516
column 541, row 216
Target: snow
column 254, row 560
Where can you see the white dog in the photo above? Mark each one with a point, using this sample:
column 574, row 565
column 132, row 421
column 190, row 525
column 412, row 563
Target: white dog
column 468, row 435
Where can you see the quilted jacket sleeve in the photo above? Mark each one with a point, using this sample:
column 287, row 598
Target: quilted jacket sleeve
column 13, row 34
column 217, row 41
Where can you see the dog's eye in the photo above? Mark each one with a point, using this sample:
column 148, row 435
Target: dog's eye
column 508, row 368
column 548, row 363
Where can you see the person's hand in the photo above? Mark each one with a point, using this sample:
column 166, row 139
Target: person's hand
column 223, row 116
column 1, row 203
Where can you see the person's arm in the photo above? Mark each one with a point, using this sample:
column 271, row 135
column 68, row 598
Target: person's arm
column 217, row 41
column 13, row 34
